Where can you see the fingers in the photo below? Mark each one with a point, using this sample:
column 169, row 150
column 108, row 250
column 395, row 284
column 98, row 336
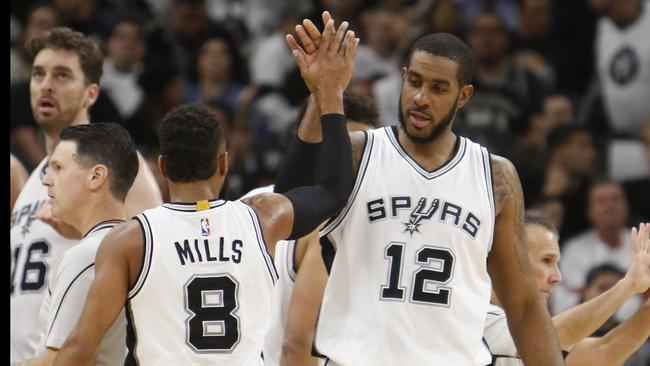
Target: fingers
column 328, row 35
column 338, row 38
column 293, row 44
column 326, row 17
column 305, row 39
column 635, row 239
column 644, row 237
column 312, row 31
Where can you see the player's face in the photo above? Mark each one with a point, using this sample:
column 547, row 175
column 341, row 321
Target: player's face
column 544, row 256
column 58, row 92
column 430, row 96
column 65, row 179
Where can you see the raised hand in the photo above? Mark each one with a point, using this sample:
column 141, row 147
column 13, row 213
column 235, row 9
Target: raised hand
column 45, row 214
column 332, row 66
column 639, row 273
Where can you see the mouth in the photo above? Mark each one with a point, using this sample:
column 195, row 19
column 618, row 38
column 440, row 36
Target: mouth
column 418, row 119
column 46, row 105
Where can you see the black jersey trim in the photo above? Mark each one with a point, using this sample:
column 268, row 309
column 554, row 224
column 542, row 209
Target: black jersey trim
column 58, row 308
column 146, row 258
column 489, row 185
column 459, row 152
column 363, row 167
column 291, row 259
column 103, row 225
column 328, row 252
column 273, row 273
column 131, row 337
column 191, row 207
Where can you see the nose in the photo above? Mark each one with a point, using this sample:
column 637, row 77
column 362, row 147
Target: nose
column 555, row 276
column 46, row 84
column 47, row 178
column 420, row 98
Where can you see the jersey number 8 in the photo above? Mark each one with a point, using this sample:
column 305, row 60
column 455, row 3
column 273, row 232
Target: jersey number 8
column 213, row 325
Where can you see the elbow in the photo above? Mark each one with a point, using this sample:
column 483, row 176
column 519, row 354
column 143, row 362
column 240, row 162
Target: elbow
column 295, row 348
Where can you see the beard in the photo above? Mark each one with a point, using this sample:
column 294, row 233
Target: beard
column 437, row 131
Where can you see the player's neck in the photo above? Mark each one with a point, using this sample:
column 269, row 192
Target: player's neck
column 52, row 136
column 99, row 211
column 429, row 155
column 193, row 191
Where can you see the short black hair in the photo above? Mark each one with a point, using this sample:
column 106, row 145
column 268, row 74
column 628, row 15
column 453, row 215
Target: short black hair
column 360, row 108
column 190, row 139
column 108, row 144
column 600, row 269
column 449, row 46
column 560, row 135
column 539, row 220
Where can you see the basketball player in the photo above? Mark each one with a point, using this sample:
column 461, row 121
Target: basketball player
column 361, row 114
column 18, row 177
column 576, row 324
column 87, row 177
column 66, row 69
column 433, row 221
column 196, row 275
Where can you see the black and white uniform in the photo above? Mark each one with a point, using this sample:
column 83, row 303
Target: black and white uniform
column 408, row 280
column 66, row 297
column 204, row 293
column 35, row 248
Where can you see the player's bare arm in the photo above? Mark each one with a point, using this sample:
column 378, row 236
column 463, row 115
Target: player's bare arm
column 18, row 177
column 144, row 192
column 303, row 307
column 579, row 322
column 510, row 272
column 118, row 263
column 617, row 345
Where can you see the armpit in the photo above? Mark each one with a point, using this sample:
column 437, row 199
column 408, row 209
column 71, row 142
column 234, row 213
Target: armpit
column 358, row 140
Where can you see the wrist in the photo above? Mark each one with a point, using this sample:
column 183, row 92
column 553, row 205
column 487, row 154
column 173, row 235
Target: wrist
column 626, row 286
column 330, row 102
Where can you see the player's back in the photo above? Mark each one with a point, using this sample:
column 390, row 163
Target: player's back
column 35, row 249
column 203, row 295
column 408, row 282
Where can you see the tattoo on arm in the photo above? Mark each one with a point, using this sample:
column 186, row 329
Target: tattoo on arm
column 509, row 197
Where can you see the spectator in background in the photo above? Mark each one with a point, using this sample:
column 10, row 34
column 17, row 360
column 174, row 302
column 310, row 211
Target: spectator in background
column 506, row 10
column 125, row 51
column 569, row 171
column 92, row 18
column 163, row 87
column 222, row 74
column 623, row 61
column 503, row 91
column 379, row 54
column 444, row 16
column 531, row 43
column 181, row 35
column 529, row 153
column 606, row 241
column 41, row 18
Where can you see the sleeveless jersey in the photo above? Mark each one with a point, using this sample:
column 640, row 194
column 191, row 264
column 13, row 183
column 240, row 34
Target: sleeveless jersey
column 204, row 293
column 408, row 283
column 66, row 296
column 285, row 264
column 498, row 339
column 35, row 249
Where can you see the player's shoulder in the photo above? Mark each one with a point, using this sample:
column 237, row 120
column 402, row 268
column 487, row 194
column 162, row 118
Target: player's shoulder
column 256, row 191
column 505, row 180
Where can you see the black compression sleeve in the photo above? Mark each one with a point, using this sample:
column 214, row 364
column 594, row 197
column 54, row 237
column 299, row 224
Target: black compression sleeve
column 299, row 166
column 314, row 204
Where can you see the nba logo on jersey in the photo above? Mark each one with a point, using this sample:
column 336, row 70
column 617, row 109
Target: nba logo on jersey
column 205, row 227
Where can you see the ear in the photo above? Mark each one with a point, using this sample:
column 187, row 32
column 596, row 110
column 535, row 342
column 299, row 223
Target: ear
column 97, row 176
column 91, row 94
column 162, row 167
column 403, row 73
column 464, row 95
column 222, row 163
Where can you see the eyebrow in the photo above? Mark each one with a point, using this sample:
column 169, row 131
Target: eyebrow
column 439, row 81
column 56, row 68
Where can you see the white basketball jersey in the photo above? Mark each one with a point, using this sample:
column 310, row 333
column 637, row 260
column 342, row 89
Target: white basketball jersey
column 498, row 339
column 66, row 296
column 285, row 264
column 409, row 283
column 204, row 293
column 35, row 249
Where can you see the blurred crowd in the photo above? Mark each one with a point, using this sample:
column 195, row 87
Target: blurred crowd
column 562, row 89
